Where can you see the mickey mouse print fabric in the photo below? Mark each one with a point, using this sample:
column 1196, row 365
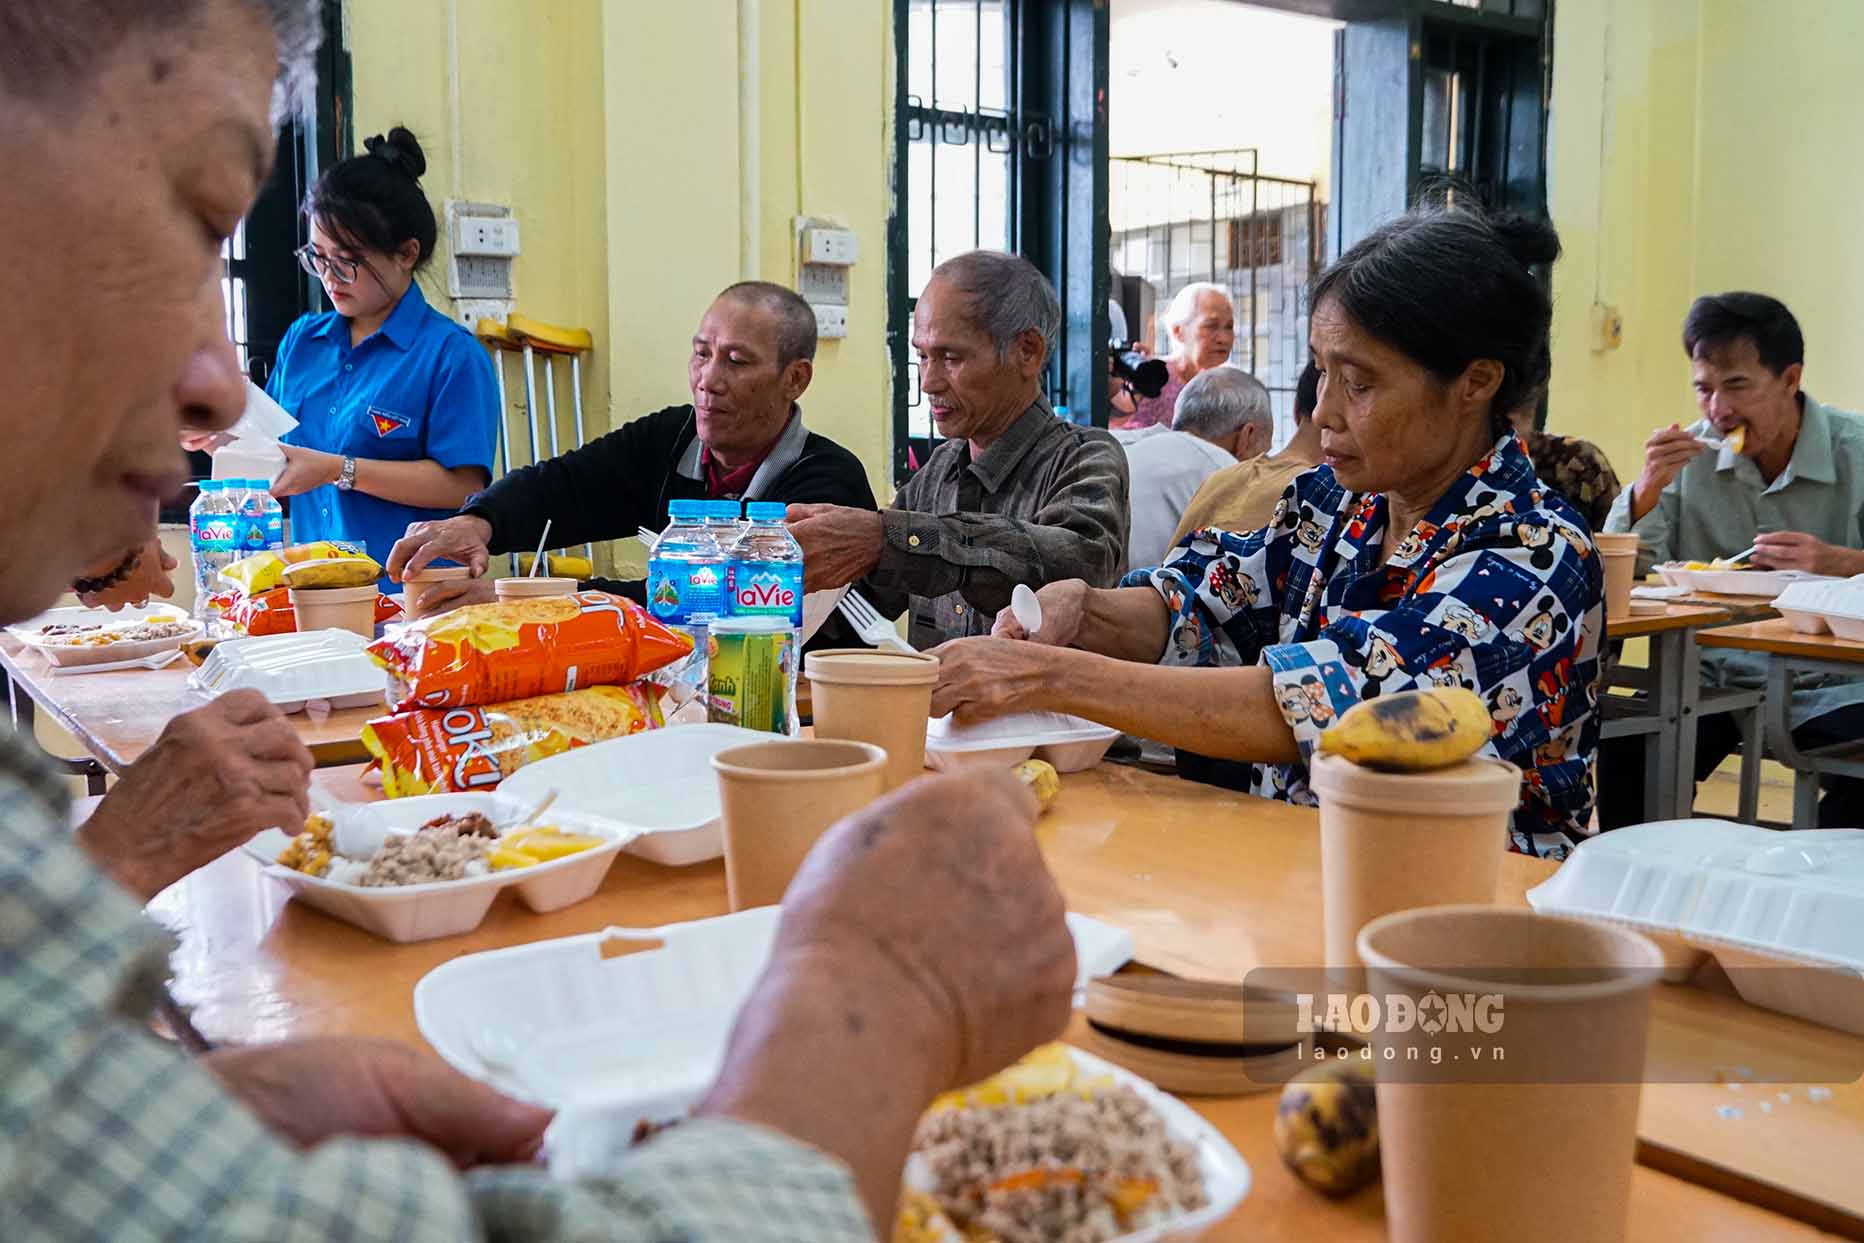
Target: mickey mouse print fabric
column 1498, row 590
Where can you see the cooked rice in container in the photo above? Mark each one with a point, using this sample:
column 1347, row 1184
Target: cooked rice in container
column 1079, row 1163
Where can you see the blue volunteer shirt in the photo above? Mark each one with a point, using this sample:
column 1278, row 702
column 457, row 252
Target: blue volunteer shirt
column 418, row 387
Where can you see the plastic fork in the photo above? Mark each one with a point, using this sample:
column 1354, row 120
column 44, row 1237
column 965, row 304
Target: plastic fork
column 870, row 625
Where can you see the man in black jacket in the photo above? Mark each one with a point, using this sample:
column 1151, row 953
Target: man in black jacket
column 742, row 439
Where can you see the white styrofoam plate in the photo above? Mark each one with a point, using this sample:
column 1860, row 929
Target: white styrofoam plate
column 1739, row 893
column 447, row 908
column 291, row 670
column 1767, row 583
column 1070, row 743
column 556, row 1022
column 1824, row 606
column 659, row 783
column 67, row 656
column 588, row 1140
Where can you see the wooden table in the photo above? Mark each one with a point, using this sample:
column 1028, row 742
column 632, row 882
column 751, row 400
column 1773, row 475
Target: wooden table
column 117, row 716
column 1790, row 652
column 1209, row 882
column 1666, row 710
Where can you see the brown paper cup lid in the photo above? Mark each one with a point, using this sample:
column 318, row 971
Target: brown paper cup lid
column 535, row 586
column 1539, row 958
column 439, row 574
column 800, row 759
column 1623, row 541
column 1474, row 787
column 860, row 666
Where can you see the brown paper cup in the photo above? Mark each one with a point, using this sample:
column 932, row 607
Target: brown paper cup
column 417, row 586
column 335, row 608
column 1619, row 556
column 777, row 798
column 531, row 588
column 878, row 697
column 1392, row 841
column 1539, row 1059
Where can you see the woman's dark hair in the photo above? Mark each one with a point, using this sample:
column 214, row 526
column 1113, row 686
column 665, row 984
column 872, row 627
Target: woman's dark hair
column 374, row 201
column 1717, row 321
column 1307, row 392
column 1445, row 287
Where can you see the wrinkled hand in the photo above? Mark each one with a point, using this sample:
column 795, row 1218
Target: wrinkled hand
column 840, row 544
column 983, row 678
column 214, row 778
column 446, row 596
column 149, row 578
column 941, row 888
column 461, row 539
column 308, row 1091
column 1795, row 550
column 305, row 469
column 1064, row 605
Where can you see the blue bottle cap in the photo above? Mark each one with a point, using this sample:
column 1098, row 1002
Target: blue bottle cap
column 766, row 511
column 686, row 509
column 724, row 509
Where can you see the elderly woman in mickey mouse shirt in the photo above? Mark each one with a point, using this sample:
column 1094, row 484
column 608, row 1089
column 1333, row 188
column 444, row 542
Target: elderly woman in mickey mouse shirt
column 1422, row 552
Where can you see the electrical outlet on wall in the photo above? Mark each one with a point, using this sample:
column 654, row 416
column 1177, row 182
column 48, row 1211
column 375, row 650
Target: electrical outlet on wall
column 831, row 322
column 820, row 282
column 482, row 238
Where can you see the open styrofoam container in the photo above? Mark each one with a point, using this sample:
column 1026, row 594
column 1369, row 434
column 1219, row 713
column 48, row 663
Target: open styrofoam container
column 449, row 907
column 66, row 655
column 659, row 783
column 292, row 670
column 626, row 1016
column 1068, row 742
column 587, row 1140
column 1767, row 583
column 1825, row 606
column 1749, row 897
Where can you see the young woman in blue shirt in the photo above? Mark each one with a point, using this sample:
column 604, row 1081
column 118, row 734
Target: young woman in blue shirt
column 396, row 404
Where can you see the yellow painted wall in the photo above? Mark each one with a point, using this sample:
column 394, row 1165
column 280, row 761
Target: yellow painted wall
column 1700, row 146
column 655, row 153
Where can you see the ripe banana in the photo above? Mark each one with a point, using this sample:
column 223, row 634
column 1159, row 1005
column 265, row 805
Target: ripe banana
column 1327, row 1126
column 1410, row 731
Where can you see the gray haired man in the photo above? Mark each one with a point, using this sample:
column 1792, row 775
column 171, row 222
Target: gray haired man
column 1222, row 418
column 1013, row 495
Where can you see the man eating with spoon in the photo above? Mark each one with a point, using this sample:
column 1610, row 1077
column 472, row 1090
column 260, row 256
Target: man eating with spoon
column 1768, row 470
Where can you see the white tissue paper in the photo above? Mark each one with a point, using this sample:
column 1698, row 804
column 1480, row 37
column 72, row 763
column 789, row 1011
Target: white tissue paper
column 253, row 452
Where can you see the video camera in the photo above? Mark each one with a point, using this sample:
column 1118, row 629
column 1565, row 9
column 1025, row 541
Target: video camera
column 1147, row 375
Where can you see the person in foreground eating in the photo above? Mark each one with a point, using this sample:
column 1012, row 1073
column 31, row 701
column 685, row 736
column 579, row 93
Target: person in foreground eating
column 922, row 945
column 1423, row 551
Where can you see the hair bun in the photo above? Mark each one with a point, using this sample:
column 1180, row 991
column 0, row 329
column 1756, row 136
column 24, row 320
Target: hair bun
column 1532, row 241
column 399, row 150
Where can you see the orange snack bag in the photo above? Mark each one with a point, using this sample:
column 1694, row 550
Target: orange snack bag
column 270, row 612
column 493, row 653
column 458, row 750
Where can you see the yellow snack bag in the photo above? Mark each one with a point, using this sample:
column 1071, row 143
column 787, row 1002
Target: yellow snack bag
column 332, row 572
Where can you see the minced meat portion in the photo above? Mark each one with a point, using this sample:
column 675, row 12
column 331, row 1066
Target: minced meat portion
column 1059, row 1170
column 471, row 824
column 429, row 855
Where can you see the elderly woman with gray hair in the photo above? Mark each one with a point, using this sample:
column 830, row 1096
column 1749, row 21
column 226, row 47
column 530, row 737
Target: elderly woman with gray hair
column 1223, row 417
column 1013, row 495
column 1202, row 325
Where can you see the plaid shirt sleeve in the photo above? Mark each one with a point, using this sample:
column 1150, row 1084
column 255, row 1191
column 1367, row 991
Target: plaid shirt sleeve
column 108, row 1133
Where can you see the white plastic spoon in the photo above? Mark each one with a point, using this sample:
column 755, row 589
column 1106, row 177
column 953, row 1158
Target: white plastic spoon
column 1027, row 608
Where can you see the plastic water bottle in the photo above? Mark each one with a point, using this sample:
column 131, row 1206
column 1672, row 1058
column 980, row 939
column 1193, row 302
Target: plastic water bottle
column 686, row 584
column 249, row 497
column 764, row 596
column 211, row 541
column 274, row 517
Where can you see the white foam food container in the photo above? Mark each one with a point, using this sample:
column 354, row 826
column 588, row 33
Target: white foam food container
column 630, row 1017
column 449, row 907
column 67, row 655
column 586, row 1141
column 1068, row 742
column 659, row 783
column 1746, row 896
column 1825, row 606
column 1767, row 583
column 292, row 670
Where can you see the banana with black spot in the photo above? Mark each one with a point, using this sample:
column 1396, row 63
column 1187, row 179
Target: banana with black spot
column 1411, row 731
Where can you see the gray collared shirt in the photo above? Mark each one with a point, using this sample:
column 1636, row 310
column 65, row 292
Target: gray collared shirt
column 1719, row 503
column 784, row 454
column 1046, row 502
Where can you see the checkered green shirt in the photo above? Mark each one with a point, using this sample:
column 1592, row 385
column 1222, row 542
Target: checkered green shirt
column 108, row 1133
